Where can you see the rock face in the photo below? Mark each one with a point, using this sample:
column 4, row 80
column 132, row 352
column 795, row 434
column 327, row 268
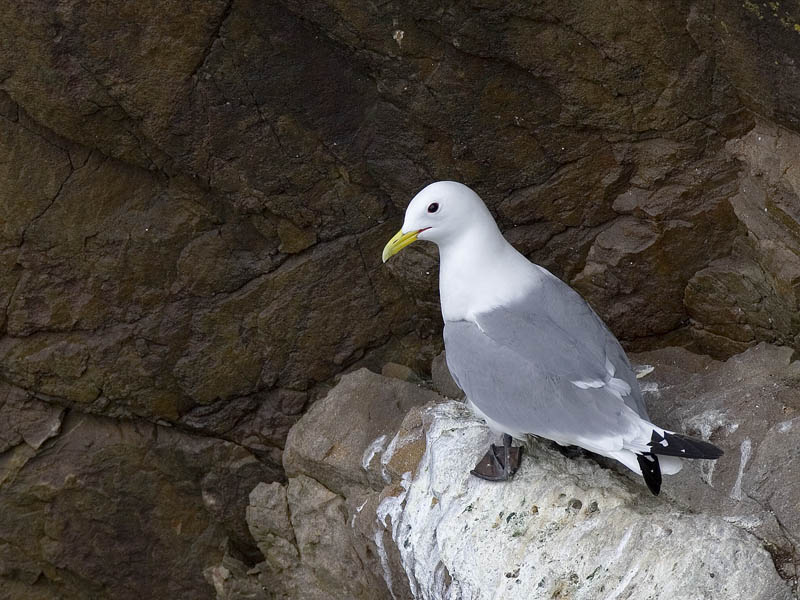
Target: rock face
column 751, row 405
column 370, row 513
column 339, row 458
column 192, row 208
column 753, row 294
column 97, row 508
column 187, row 200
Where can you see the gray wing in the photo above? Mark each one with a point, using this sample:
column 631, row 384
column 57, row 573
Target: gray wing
column 583, row 344
column 518, row 364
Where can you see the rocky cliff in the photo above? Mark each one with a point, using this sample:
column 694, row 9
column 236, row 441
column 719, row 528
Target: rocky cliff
column 193, row 202
column 380, row 503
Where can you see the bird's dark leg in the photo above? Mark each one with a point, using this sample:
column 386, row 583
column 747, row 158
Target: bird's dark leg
column 569, row 451
column 499, row 464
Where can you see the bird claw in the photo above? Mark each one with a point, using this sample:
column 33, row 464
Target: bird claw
column 492, row 466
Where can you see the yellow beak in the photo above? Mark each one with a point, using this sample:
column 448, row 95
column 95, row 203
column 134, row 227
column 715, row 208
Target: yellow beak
column 398, row 242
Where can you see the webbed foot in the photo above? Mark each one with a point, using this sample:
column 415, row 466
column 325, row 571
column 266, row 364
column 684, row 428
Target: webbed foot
column 500, row 462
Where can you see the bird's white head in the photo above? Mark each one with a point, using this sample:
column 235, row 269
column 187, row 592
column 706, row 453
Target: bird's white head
column 444, row 213
column 479, row 270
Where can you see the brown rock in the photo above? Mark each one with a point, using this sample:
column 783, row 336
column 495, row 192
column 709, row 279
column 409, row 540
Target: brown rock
column 254, row 139
column 20, row 205
column 314, row 555
column 658, row 249
column 403, row 455
column 317, row 534
column 294, row 239
column 753, row 295
column 155, row 504
column 320, row 523
column 192, row 207
column 268, row 514
column 26, row 419
column 732, row 304
column 442, row 380
column 749, row 41
column 343, row 439
column 233, row 580
column 401, row 372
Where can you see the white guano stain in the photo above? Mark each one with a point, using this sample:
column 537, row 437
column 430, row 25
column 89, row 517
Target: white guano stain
column 374, row 448
column 387, row 456
column 392, row 506
column 709, row 421
column 707, row 471
column 624, row 583
column 745, row 449
column 623, row 542
column 387, row 571
column 358, row 510
column 651, row 387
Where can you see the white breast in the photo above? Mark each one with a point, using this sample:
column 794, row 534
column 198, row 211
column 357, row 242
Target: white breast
column 471, row 283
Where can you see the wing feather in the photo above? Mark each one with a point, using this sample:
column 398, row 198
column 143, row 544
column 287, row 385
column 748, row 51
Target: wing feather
column 554, row 371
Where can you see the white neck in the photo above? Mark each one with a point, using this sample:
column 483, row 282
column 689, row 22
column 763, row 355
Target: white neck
column 481, row 271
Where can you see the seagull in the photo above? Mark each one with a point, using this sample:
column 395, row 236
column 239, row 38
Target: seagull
column 530, row 354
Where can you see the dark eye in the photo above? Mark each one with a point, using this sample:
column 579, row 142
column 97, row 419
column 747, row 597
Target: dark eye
column 433, row 207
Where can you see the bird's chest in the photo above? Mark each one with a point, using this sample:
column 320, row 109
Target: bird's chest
column 465, row 296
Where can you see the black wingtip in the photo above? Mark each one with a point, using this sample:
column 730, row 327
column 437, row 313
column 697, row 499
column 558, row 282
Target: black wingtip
column 683, row 446
column 651, row 471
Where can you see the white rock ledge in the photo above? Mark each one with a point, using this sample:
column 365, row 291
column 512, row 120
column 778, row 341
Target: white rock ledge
column 562, row 528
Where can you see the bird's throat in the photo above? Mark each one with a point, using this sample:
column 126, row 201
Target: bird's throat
column 478, row 277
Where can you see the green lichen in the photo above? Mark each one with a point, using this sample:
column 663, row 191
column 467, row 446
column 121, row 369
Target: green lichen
column 758, row 11
column 753, row 8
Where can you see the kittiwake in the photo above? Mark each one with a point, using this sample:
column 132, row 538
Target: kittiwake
column 530, row 354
